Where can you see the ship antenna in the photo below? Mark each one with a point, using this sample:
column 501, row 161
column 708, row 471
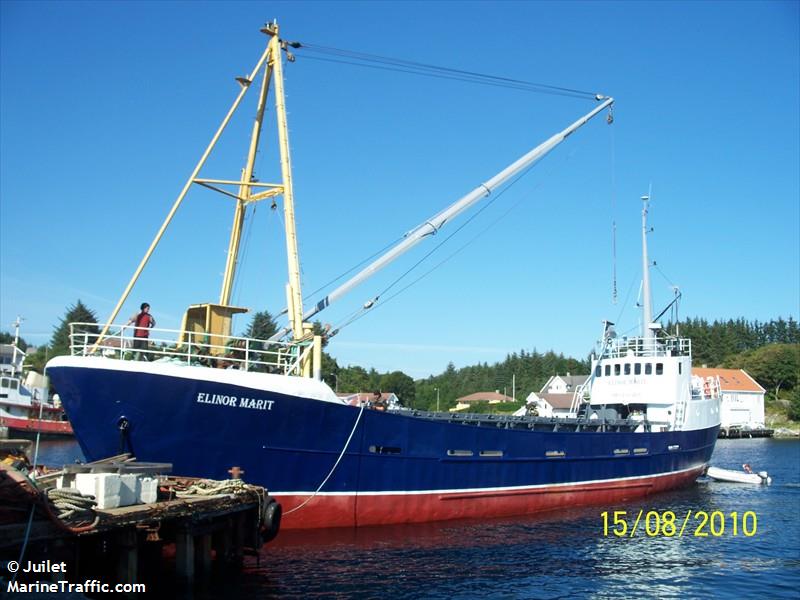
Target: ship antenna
column 16, row 325
column 647, row 302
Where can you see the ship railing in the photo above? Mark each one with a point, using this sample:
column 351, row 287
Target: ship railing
column 648, row 347
column 579, row 398
column 15, row 360
column 191, row 348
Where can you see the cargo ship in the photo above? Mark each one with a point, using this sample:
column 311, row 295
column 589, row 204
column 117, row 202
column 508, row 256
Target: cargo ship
column 210, row 402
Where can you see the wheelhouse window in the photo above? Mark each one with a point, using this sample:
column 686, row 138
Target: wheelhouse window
column 608, row 370
column 659, row 368
column 598, row 371
column 648, row 369
column 616, row 369
column 627, row 368
column 637, row 368
column 4, row 382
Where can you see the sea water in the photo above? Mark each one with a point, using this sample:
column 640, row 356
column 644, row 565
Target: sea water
column 562, row 554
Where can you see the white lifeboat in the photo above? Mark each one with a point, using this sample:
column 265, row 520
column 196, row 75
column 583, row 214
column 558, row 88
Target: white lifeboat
column 746, row 475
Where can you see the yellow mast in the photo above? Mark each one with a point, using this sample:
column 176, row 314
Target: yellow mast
column 274, row 66
column 294, row 291
column 244, row 188
column 178, row 201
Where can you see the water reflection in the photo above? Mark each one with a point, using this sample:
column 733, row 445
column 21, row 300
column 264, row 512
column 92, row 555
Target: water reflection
column 57, row 452
column 561, row 554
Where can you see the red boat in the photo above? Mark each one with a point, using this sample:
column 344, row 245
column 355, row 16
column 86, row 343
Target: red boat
column 25, row 405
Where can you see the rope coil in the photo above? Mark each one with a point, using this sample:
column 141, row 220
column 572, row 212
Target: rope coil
column 73, row 506
column 209, row 487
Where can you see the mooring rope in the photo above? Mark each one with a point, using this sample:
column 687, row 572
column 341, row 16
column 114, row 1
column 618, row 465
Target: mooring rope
column 336, row 464
column 209, row 487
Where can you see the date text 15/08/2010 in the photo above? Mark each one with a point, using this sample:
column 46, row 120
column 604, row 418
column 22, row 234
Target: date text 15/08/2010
column 699, row 523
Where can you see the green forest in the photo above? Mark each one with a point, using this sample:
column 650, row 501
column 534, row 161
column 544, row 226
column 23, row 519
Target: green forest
column 768, row 351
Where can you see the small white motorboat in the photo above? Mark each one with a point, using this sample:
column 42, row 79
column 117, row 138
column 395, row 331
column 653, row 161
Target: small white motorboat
column 744, row 476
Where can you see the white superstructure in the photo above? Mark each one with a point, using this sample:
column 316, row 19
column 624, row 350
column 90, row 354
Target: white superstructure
column 649, row 377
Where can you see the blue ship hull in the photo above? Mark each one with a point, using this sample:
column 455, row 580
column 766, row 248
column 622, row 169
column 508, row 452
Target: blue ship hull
column 337, row 465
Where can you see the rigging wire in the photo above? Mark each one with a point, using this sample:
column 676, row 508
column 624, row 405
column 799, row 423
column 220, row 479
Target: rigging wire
column 249, row 222
column 439, row 264
column 363, row 311
column 667, row 279
column 343, row 56
column 613, row 219
column 417, row 68
column 413, row 67
column 625, row 303
column 451, row 77
column 353, row 268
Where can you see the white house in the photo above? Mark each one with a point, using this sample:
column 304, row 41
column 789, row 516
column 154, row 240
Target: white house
column 742, row 397
column 548, row 405
column 555, row 397
column 563, row 384
column 488, row 397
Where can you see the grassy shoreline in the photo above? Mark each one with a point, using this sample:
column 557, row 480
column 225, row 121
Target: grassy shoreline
column 777, row 418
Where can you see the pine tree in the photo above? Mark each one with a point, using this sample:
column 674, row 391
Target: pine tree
column 262, row 326
column 8, row 338
column 78, row 313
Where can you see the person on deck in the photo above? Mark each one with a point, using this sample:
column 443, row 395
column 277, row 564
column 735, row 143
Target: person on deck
column 378, row 402
column 142, row 323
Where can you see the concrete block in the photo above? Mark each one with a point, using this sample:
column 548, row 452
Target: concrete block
column 128, row 489
column 147, row 490
column 105, row 487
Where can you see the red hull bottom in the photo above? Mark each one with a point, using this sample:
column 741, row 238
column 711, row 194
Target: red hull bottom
column 356, row 510
column 37, row 426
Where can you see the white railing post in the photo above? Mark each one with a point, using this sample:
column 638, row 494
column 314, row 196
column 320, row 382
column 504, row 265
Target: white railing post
column 317, row 358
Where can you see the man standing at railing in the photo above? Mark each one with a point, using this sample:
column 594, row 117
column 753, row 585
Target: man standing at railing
column 142, row 323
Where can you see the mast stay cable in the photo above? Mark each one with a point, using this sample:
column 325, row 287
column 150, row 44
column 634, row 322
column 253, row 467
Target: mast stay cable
column 363, row 59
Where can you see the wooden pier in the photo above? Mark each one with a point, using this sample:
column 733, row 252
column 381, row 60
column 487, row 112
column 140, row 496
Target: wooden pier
column 738, row 432
column 197, row 526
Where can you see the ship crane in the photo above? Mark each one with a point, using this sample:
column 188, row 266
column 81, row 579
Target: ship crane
column 431, row 226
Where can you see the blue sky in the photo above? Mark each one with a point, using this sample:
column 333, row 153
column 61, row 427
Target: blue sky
column 106, row 107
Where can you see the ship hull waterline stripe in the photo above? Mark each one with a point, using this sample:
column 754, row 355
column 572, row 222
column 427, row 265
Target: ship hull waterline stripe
column 504, row 490
column 358, row 510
